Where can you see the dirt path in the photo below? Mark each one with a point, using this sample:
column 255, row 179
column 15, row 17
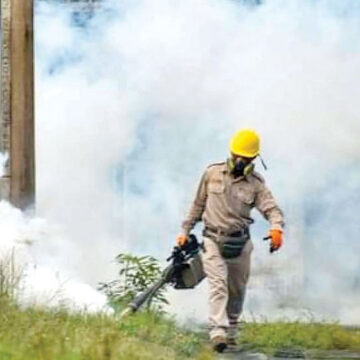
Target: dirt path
column 252, row 355
column 247, row 355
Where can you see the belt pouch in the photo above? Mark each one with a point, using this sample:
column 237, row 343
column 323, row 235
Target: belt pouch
column 232, row 248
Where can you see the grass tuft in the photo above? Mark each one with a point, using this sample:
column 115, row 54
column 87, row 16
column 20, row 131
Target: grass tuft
column 298, row 335
column 30, row 334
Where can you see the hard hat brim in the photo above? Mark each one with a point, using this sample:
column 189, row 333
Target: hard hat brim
column 245, row 154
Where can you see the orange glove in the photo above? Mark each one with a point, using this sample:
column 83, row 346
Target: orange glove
column 181, row 240
column 276, row 236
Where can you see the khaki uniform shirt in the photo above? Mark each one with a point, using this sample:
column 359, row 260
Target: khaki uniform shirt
column 224, row 203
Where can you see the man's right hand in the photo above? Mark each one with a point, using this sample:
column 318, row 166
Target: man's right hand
column 181, row 240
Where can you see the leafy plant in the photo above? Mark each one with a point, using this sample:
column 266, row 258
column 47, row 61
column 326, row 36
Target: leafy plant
column 136, row 274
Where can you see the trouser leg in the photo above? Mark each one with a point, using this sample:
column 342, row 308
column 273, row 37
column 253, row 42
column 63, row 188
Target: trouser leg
column 238, row 276
column 217, row 274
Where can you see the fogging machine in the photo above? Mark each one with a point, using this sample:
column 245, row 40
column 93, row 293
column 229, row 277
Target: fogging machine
column 184, row 272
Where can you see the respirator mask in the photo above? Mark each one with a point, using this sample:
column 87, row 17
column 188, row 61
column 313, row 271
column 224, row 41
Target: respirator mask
column 238, row 167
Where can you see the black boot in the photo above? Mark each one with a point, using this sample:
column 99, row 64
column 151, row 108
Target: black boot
column 219, row 343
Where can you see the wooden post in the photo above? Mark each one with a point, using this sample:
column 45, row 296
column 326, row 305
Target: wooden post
column 18, row 96
column 5, row 95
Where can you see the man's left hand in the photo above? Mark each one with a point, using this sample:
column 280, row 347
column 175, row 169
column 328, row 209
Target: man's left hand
column 276, row 238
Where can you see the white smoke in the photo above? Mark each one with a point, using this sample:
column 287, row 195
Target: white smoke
column 37, row 280
column 135, row 101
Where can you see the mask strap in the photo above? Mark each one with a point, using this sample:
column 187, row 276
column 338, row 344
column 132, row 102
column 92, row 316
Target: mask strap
column 263, row 162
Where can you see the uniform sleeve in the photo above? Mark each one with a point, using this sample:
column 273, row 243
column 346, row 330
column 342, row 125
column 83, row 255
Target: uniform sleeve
column 197, row 207
column 266, row 204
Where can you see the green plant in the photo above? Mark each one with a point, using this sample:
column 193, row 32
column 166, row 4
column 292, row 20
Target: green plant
column 10, row 276
column 136, row 274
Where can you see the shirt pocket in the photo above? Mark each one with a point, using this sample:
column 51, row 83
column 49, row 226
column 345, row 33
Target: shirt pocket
column 216, row 187
column 245, row 197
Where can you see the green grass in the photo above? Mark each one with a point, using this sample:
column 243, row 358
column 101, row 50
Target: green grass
column 297, row 335
column 31, row 334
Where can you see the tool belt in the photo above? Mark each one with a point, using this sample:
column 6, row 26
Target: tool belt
column 233, row 245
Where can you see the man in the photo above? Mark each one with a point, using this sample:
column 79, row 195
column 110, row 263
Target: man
column 226, row 194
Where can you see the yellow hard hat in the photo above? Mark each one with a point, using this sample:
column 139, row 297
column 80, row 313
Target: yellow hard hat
column 245, row 143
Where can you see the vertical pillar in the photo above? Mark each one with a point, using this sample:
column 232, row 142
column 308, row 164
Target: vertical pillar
column 18, row 96
column 5, row 121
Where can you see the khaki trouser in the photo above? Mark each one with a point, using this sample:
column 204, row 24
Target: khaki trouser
column 227, row 280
